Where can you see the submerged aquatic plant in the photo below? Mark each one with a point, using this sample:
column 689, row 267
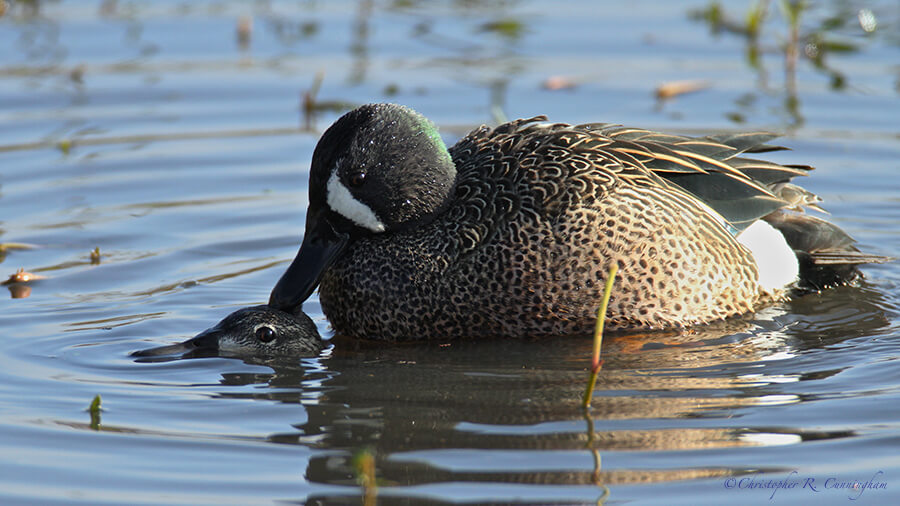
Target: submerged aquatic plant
column 364, row 465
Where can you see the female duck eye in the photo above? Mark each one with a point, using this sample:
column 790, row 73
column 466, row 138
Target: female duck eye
column 357, row 179
column 265, row 334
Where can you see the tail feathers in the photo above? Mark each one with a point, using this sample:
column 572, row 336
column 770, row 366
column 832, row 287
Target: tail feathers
column 804, row 232
column 845, row 258
column 828, row 255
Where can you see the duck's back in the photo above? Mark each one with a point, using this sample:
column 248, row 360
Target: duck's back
column 540, row 213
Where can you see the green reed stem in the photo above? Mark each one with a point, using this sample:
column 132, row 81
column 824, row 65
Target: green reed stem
column 596, row 363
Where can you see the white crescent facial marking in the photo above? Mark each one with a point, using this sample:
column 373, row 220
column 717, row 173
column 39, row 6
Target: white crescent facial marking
column 341, row 201
column 776, row 261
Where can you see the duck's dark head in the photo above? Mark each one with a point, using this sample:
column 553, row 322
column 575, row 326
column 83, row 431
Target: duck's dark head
column 257, row 331
column 380, row 168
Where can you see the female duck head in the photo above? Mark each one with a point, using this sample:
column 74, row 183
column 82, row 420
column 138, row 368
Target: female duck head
column 257, row 331
column 380, row 168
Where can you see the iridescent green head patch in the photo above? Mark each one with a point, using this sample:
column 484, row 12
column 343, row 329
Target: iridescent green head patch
column 425, row 125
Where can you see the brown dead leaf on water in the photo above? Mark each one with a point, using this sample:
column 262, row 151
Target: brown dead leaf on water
column 674, row 88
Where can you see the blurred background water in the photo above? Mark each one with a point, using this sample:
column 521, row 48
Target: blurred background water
column 176, row 137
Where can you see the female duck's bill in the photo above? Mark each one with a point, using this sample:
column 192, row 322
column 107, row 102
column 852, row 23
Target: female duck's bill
column 257, row 331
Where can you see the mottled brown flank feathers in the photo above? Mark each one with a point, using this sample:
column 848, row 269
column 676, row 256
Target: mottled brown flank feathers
column 540, row 213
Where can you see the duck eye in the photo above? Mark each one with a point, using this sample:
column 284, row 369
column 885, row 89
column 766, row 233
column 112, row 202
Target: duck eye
column 265, row 334
column 357, row 179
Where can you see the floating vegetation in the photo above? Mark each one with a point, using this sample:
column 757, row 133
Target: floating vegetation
column 507, row 28
column 6, row 246
column 94, row 410
column 391, row 90
column 65, row 146
column 841, row 32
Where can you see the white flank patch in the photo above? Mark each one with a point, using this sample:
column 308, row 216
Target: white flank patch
column 341, row 201
column 775, row 260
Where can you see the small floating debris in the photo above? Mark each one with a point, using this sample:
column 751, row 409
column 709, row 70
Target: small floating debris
column 95, row 256
column 244, row 31
column 76, row 75
column 674, row 88
column 18, row 283
column 867, row 20
column 554, row 83
column 65, row 146
column 23, row 276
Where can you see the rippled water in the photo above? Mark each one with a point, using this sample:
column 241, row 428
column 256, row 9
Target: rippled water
column 151, row 131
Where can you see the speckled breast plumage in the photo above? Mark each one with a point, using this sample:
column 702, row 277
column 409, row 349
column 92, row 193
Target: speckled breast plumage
column 540, row 213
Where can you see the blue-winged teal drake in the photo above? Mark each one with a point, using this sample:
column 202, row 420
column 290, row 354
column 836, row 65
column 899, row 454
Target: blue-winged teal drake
column 511, row 232
column 258, row 331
